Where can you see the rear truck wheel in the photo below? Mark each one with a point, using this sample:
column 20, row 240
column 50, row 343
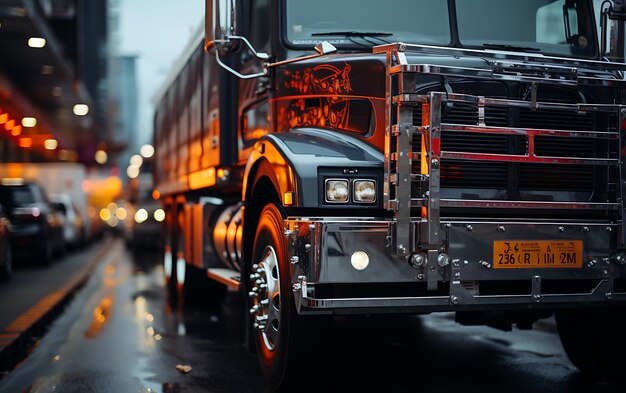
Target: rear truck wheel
column 280, row 336
column 169, row 263
column 169, row 273
column 594, row 341
column 190, row 285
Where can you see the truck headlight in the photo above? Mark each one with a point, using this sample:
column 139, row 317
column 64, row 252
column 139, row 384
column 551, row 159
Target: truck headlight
column 365, row 191
column 337, row 190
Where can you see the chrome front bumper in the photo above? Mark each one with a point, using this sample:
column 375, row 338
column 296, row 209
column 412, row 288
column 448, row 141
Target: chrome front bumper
column 320, row 250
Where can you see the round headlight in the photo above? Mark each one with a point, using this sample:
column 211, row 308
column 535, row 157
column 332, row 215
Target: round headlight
column 337, row 191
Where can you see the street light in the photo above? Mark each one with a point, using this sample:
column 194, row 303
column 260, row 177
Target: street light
column 36, row 42
column 81, row 109
column 101, row 157
column 29, row 122
column 146, row 151
column 136, row 160
column 132, row 171
column 50, row 144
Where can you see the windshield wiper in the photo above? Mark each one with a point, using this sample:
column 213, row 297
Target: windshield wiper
column 512, row 48
column 363, row 35
column 354, row 34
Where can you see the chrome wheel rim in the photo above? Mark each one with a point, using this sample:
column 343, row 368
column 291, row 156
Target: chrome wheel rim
column 265, row 294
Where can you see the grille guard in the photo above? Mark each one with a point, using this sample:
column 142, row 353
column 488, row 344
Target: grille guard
column 401, row 180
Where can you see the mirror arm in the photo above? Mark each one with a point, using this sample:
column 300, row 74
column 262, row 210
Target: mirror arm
column 323, row 48
column 294, row 60
column 210, row 44
column 258, row 55
column 603, row 29
column 237, row 74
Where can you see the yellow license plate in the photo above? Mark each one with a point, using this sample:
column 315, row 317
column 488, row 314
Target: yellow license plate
column 537, row 254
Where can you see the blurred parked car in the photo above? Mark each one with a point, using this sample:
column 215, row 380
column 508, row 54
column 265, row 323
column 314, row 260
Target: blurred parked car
column 37, row 226
column 74, row 228
column 144, row 229
column 6, row 258
column 115, row 217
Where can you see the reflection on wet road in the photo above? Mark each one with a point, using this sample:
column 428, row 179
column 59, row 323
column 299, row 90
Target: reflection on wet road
column 120, row 335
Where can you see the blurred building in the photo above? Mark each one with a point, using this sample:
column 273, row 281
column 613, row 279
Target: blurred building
column 125, row 135
column 54, row 79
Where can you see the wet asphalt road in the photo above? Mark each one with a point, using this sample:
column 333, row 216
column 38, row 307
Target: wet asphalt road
column 120, row 335
column 31, row 281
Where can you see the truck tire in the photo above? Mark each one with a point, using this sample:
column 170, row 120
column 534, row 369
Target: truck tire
column 274, row 319
column 594, row 341
column 169, row 274
column 169, row 256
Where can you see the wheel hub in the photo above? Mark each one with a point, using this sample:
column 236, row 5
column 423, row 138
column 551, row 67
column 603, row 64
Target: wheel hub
column 265, row 295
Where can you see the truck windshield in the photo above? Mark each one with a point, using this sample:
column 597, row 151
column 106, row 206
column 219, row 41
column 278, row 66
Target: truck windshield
column 423, row 21
column 555, row 27
column 551, row 27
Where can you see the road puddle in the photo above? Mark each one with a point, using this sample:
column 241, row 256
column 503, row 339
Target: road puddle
column 101, row 315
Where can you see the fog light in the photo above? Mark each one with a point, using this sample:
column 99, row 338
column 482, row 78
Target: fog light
column 365, row 191
column 360, row 260
column 336, row 191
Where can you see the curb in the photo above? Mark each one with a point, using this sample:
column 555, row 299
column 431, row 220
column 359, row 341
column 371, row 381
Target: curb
column 17, row 338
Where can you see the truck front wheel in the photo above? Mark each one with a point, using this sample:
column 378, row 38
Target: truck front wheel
column 594, row 341
column 273, row 315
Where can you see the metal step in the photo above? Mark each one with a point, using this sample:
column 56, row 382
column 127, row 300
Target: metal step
column 230, row 278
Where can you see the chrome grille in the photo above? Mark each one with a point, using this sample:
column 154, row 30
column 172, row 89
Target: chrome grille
column 496, row 158
column 568, row 147
column 546, row 177
column 460, row 174
column 557, row 120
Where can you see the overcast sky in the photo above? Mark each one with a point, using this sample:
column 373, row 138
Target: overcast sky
column 156, row 31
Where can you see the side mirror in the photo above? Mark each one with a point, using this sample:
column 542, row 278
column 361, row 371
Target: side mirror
column 612, row 18
column 221, row 23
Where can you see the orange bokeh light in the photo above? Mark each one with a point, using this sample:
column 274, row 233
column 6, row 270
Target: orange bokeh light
column 17, row 130
column 25, row 142
column 4, row 118
column 9, row 125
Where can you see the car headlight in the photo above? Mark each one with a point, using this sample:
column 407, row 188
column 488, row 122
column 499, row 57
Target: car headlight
column 159, row 215
column 337, row 191
column 365, row 191
column 141, row 216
